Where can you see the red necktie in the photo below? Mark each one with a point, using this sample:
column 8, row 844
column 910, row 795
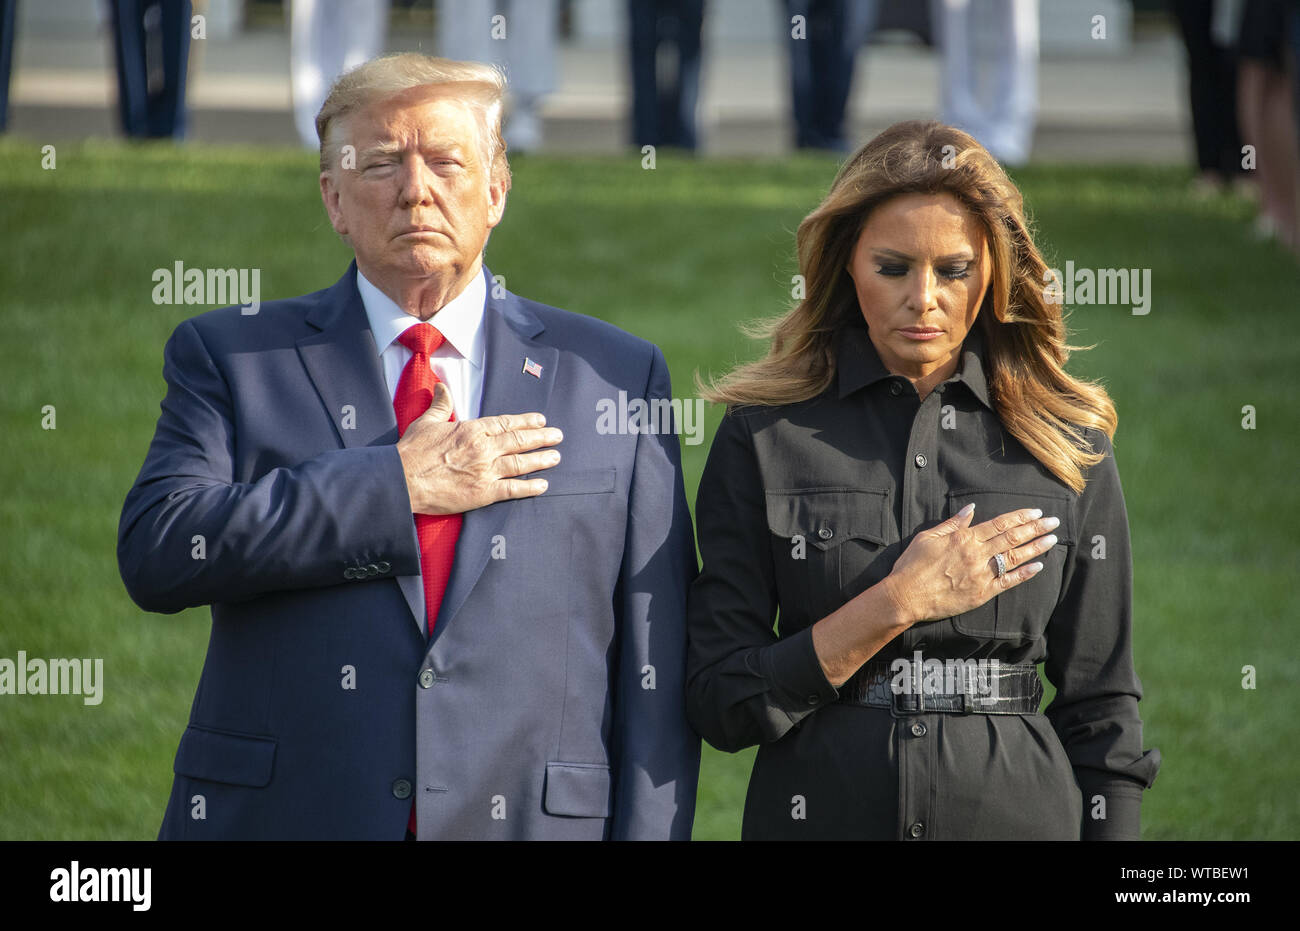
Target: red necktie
column 437, row 533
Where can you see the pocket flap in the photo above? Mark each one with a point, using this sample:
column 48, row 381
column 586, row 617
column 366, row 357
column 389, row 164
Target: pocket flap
column 582, row 482
column 223, row 756
column 577, row 789
column 826, row 517
column 989, row 504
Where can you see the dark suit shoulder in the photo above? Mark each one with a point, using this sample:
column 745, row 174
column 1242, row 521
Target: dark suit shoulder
column 277, row 322
column 571, row 330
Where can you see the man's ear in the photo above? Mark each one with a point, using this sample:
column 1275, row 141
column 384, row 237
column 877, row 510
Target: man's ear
column 496, row 201
column 329, row 195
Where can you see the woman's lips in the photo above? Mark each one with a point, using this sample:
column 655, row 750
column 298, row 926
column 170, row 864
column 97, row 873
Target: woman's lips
column 920, row 333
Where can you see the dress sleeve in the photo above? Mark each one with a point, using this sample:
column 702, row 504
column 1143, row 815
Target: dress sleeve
column 744, row 685
column 1090, row 662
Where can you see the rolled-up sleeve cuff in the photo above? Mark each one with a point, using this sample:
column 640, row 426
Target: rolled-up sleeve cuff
column 795, row 674
column 1111, row 806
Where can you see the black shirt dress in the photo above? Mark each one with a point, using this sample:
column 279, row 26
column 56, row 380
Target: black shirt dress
column 804, row 506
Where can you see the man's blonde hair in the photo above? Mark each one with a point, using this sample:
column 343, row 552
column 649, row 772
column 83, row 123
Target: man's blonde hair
column 481, row 86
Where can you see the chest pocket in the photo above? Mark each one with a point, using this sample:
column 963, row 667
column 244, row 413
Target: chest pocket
column 828, row 544
column 582, row 482
column 1022, row 612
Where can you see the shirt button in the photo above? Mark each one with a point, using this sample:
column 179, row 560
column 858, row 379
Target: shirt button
column 426, row 678
column 916, row 829
column 401, row 788
column 895, row 388
column 826, row 533
column 920, row 460
column 918, row 729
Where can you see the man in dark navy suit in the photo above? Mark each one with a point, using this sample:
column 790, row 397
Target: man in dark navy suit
column 445, row 603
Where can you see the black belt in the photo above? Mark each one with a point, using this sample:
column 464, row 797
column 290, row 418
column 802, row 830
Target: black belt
column 966, row 687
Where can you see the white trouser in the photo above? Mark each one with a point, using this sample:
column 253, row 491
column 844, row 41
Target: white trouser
column 522, row 44
column 326, row 38
column 1000, row 36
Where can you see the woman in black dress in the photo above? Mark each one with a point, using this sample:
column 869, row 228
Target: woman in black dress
column 920, row 379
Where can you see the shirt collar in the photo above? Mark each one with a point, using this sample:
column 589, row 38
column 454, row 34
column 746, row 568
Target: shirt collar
column 460, row 321
column 857, row 364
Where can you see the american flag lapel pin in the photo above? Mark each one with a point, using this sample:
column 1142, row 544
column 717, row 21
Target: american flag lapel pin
column 532, row 368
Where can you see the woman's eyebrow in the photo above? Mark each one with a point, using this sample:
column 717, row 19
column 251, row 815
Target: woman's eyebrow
column 953, row 257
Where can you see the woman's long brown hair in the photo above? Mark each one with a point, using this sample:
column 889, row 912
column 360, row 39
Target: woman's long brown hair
column 1038, row 402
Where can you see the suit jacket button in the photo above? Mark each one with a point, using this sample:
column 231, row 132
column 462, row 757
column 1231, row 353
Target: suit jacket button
column 349, row 573
column 826, row 533
column 401, row 788
column 372, row 570
column 917, row 829
column 426, row 679
column 384, row 567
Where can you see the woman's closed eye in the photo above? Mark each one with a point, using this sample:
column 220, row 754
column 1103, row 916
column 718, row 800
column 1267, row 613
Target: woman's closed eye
column 951, row 272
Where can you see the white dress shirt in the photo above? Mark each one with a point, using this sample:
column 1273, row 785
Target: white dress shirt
column 458, row 361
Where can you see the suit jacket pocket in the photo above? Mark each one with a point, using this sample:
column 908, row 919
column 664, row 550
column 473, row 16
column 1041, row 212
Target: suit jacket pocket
column 579, row 790
column 580, row 482
column 1021, row 613
column 825, row 543
column 225, row 756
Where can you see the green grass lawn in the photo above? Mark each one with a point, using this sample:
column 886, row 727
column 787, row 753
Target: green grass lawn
column 678, row 255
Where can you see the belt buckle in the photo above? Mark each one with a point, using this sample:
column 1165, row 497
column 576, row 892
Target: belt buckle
column 908, row 703
column 903, row 704
column 965, row 692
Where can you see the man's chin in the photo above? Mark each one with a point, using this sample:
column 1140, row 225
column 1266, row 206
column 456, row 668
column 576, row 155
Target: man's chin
column 426, row 262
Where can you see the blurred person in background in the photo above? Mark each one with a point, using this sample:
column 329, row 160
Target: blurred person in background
column 1212, row 92
column 519, row 37
column 665, row 95
column 1267, row 117
column 1293, row 23
column 824, row 38
column 326, row 38
column 920, row 384
column 8, row 11
column 151, row 42
column 998, row 109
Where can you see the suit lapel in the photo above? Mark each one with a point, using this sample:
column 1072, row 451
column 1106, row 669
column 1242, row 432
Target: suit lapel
column 342, row 361
column 509, row 333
